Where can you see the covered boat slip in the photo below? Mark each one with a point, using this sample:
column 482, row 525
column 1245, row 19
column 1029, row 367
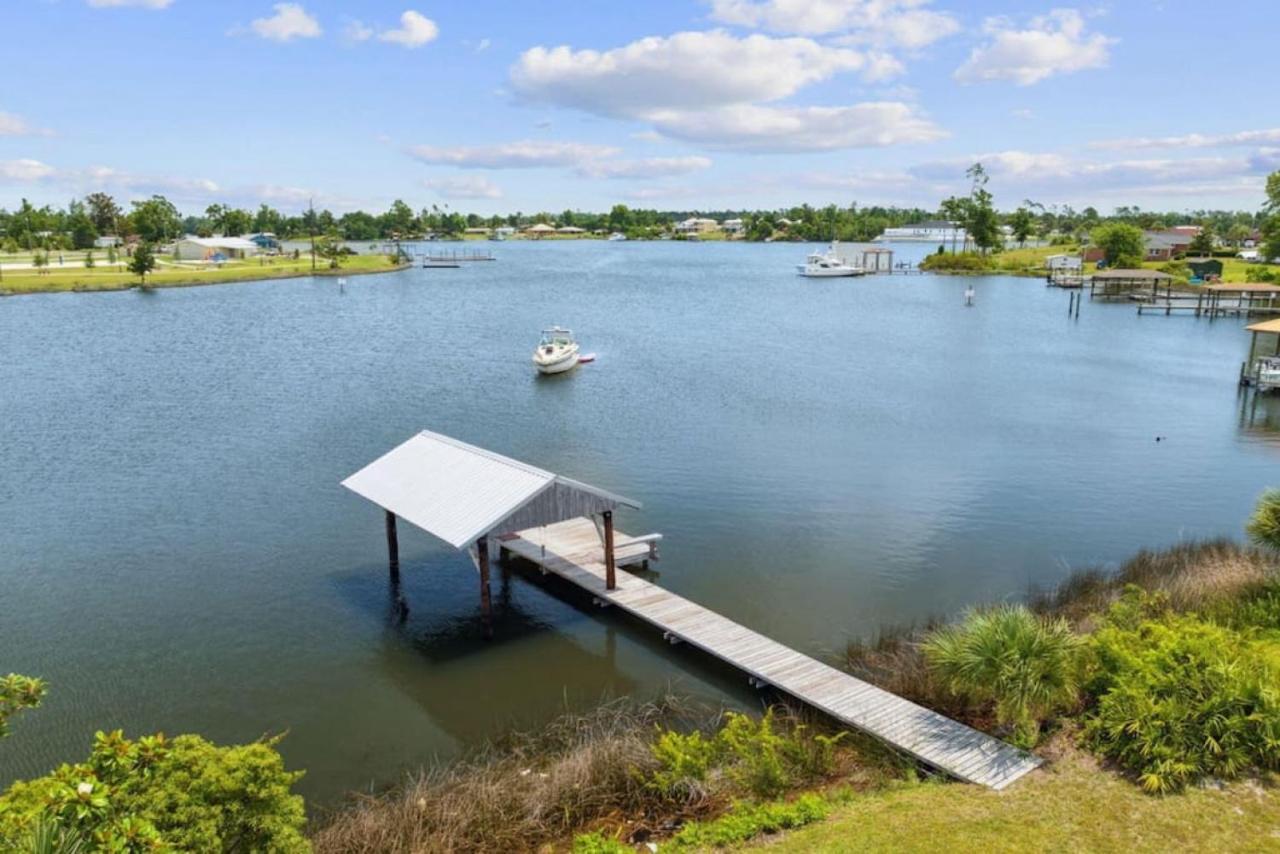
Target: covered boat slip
column 470, row 498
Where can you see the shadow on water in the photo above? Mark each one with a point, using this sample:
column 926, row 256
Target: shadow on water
column 1260, row 416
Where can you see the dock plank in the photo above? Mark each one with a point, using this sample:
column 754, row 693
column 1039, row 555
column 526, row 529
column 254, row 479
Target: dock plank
column 572, row 550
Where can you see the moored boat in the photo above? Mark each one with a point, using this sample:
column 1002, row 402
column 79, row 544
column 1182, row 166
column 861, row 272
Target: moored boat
column 826, row 265
column 557, row 352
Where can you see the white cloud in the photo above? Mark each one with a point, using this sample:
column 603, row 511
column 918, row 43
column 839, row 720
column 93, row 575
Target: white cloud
column 25, row 170
column 289, row 22
column 1056, row 43
column 464, row 187
column 482, row 45
column 648, row 167
column 1195, row 140
column 757, row 128
column 357, row 31
column 415, row 30
column 14, row 125
column 691, row 70
column 102, row 177
column 527, row 154
column 903, row 23
column 144, row 4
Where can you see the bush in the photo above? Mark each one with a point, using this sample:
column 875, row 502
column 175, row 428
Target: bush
column 186, row 794
column 684, row 760
column 17, row 693
column 1179, row 698
column 959, row 262
column 597, row 843
column 1264, row 524
column 746, row 821
column 1022, row 664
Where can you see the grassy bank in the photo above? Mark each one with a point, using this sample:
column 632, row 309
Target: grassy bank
column 169, row 275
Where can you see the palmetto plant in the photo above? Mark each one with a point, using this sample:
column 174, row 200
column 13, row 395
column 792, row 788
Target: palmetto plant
column 1025, row 666
column 1264, row 524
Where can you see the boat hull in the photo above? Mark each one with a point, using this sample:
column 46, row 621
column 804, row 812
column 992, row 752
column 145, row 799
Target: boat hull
column 826, row 272
column 565, row 364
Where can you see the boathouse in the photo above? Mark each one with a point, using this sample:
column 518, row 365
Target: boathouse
column 472, row 498
column 1125, row 283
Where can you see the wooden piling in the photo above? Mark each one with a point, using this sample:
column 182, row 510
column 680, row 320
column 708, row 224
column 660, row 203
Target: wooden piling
column 482, row 562
column 610, row 570
column 393, row 546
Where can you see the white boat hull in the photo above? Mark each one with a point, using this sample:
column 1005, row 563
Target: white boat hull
column 827, row 272
column 556, row 363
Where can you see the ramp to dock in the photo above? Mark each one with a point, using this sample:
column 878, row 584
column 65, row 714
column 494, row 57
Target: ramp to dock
column 572, row 550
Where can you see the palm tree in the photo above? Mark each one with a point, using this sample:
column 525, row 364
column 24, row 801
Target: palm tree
column 1264, row 524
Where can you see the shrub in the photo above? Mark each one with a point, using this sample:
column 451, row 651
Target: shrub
column 1179, row 697
column 747, row 820
column 186, row 794
column 597, row 843
column 684, row 760
column 1264, row 524
column 16, row 694
column 958, row 262
column 1024, row 665
column 757, row 754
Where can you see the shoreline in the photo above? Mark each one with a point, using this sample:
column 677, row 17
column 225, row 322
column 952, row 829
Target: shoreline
column 196, row 283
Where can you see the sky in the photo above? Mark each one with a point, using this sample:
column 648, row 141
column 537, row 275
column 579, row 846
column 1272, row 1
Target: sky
column 497, row 107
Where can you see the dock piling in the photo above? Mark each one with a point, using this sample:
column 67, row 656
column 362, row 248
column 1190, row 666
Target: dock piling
column 482, row 563
column 393, row 547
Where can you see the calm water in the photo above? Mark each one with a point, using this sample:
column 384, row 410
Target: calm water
column 824, row 457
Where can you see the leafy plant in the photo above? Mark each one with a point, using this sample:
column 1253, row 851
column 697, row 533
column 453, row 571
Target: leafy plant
column 747, row 820
column 142, row 262
column 1024, row 665
column 684, row 760
column 1264, row 524
column 1180, row 697
column 598, row 843
column 757, row 752
column 17, row 693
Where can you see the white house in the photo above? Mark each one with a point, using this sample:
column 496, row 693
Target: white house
column 696, row 225
column 1064, row 262
column 932, row 231
column 213, row 248
column 570, row 229
column 734, row 226
column 107, row 241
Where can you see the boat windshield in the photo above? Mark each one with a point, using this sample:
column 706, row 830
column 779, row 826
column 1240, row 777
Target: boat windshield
column 559, row 337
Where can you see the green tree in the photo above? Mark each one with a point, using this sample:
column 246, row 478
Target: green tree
column 1237, row 233
column 104, row 212
column 89, row 261
column 142, row 262
column 1022, row 664
column 982, row 225
column 83, row 232
column 155, row 219
column 1202, row 243
column 331, row 249
column 40, row 260
column 1022, row 223
column 18, row 693
column 954, row 210
column 1122, row 245
column 1264, row 524
column 1271, row 225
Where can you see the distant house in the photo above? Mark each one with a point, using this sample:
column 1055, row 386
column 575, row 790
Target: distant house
column 265, row 240
column 1252, row 255
column 1253, row 240
column 540, row 230
column 734, row 226
column 483, row 232
column 1165, row 245
column 696, row 225
column 930, row 231
column 1064, row 262
column 213, row 248
column 1094, row 254
column 570, row 229
column 502, row 232
column 107, row 241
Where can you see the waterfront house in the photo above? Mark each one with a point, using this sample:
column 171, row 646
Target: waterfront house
column 213, row 248
column 540, row 230
column 930, row 231
column 502, row 232
column 734, row 227
column 696, row 225
column 570, row 229
column 1166, row 245
column 107, row 241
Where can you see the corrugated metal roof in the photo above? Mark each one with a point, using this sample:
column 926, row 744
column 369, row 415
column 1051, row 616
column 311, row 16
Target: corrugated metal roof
column 459, row 492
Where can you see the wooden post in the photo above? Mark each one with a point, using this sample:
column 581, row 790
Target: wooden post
column 393, row 546
column 482, row 558
column 610, row 576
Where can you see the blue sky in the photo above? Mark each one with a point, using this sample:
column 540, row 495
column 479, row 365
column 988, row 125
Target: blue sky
column 700, row 104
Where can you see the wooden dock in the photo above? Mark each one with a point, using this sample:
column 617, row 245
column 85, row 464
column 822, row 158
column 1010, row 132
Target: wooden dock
column 573, row 551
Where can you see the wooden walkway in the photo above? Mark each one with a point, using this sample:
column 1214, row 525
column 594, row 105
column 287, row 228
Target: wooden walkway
column 573, row 551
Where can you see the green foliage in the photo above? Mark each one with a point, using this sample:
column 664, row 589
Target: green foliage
column 1179, row 697
column 758, row 754
column 89, row 261
column 17, row 693
column 155, row 219
column 597, row 843
column 112, row 255
column 1264, row 524
column 142, row 262
column 153, row 794
column 1177, row 269
column 1123, row 245
column 1022, row 224
column 683, row 760
column 746, row 821
column 957, row 262
column 1023, row 664
column 981, row 224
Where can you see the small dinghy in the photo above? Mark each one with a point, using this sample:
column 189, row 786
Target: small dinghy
column 557, row 352
column 586, row 357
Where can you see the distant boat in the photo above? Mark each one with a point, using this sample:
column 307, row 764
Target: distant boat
column 617, row 235
column 1268, row 373
column 827, row 265
column 557, row 352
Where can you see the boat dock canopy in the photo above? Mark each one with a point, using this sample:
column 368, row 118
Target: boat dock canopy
column 1265, row 326
column 461, row 493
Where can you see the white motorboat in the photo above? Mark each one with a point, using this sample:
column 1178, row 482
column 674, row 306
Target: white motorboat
column 1267, row 373
column 826, row 265
column 616, row 236
column 557, row 352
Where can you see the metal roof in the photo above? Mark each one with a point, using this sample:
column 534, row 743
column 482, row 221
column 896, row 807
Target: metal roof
column 460, row 493
column 1265, row 326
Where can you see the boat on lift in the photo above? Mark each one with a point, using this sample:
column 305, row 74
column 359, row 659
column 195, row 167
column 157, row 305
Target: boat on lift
column 1267, row 373
column 827, row 265
column 556, row 352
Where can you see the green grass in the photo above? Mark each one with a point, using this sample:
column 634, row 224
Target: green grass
column 78, row 278
column 1073, row 806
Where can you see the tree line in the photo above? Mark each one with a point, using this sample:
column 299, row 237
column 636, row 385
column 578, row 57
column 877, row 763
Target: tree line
column 157, row 219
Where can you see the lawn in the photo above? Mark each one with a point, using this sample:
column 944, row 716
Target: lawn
column 1072, row 806
column 103, row 278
